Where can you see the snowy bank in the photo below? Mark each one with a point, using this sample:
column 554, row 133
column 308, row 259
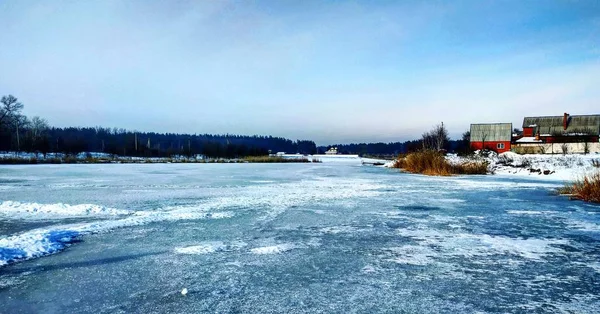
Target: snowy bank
column 548, row 167
column 552, row 167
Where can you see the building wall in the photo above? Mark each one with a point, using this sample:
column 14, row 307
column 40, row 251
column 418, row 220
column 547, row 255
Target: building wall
column 555, row 148
column 574, row 139
column 492, row 145
column 528, row 131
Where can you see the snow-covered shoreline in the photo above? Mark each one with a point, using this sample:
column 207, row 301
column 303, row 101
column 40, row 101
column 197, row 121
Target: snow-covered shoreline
column 547, row 167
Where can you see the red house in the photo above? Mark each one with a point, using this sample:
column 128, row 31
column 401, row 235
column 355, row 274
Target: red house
column 492, row 136
column 562, row 129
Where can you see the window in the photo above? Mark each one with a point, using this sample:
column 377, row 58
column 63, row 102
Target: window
column 500, row 146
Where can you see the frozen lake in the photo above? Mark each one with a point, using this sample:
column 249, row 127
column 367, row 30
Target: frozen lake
column 290, row 238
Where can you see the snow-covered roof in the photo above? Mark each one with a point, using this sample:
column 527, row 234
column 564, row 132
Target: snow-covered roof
column 528, row 139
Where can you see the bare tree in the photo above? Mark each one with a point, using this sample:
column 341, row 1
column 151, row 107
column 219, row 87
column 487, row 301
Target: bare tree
column 466, row 142
column 586, row 147
column 542, row 148
column 38, row 127
column 484, row 136
column 436, row 139
column 37, row 130
column 10, row 108
column 441, row 136
column 20, row 122
column 565, row 148
column 428, row 141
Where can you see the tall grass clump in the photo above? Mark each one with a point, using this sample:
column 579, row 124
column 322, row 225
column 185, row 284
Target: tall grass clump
column 586, row 189
column 433, row 163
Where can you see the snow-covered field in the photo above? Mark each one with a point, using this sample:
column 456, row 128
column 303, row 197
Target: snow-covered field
column 329, row 237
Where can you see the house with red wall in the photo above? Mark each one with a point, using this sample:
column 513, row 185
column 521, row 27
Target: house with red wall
column 562, row 129
column 492, row 136
column 560, row 134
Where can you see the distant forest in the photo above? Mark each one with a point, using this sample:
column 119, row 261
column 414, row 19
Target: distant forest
column 395, row 148
column 20, row 133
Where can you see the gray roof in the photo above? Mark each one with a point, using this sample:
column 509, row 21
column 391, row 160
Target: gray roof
column 554, row 124
column 491, row 132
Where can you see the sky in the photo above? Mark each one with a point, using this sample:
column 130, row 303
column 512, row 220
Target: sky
column 330, row 71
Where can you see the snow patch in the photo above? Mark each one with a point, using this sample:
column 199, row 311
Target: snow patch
column 209, row 247
column 274, row 249
column 411, row 255
column 205, row 248
column 18, row 210
column 451, row 243
column 35, row 243
column 530, row 212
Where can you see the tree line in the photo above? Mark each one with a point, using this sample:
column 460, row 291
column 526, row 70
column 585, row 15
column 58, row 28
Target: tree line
column 35, row 135
column 435, row 139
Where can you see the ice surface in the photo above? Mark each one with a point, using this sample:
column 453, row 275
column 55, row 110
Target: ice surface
column 45, row 241
column 291, row 238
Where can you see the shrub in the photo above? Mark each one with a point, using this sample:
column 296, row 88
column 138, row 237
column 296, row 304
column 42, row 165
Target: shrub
column 54, row 160
column 70, row 160
column 586, row 189
column 472, row 167
column 430, row 162
column 18, row 161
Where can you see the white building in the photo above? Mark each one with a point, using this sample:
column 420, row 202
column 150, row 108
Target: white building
column 332, row 151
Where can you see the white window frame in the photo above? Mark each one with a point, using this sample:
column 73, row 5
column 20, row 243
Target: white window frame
column 500, row 146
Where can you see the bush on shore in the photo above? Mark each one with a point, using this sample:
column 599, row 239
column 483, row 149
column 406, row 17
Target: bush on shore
column 586, row 189
column 433, row 163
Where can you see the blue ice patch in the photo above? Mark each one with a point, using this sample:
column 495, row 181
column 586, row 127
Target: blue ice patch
column 52, row 242
column 11, row 254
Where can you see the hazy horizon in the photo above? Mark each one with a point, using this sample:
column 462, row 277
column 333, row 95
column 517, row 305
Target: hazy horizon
column 334, row 72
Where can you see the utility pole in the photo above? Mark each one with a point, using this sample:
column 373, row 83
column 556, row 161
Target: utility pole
column 135, row 134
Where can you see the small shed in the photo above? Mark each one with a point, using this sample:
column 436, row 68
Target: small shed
column 492, row 136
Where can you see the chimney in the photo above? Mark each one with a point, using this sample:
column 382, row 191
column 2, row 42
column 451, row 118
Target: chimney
column 565, row 121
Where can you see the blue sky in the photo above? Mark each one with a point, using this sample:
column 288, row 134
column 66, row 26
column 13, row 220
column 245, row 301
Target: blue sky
column 331, row 71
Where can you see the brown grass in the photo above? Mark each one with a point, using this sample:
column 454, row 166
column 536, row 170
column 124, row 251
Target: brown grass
column 435, row 164
column 586, row 189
